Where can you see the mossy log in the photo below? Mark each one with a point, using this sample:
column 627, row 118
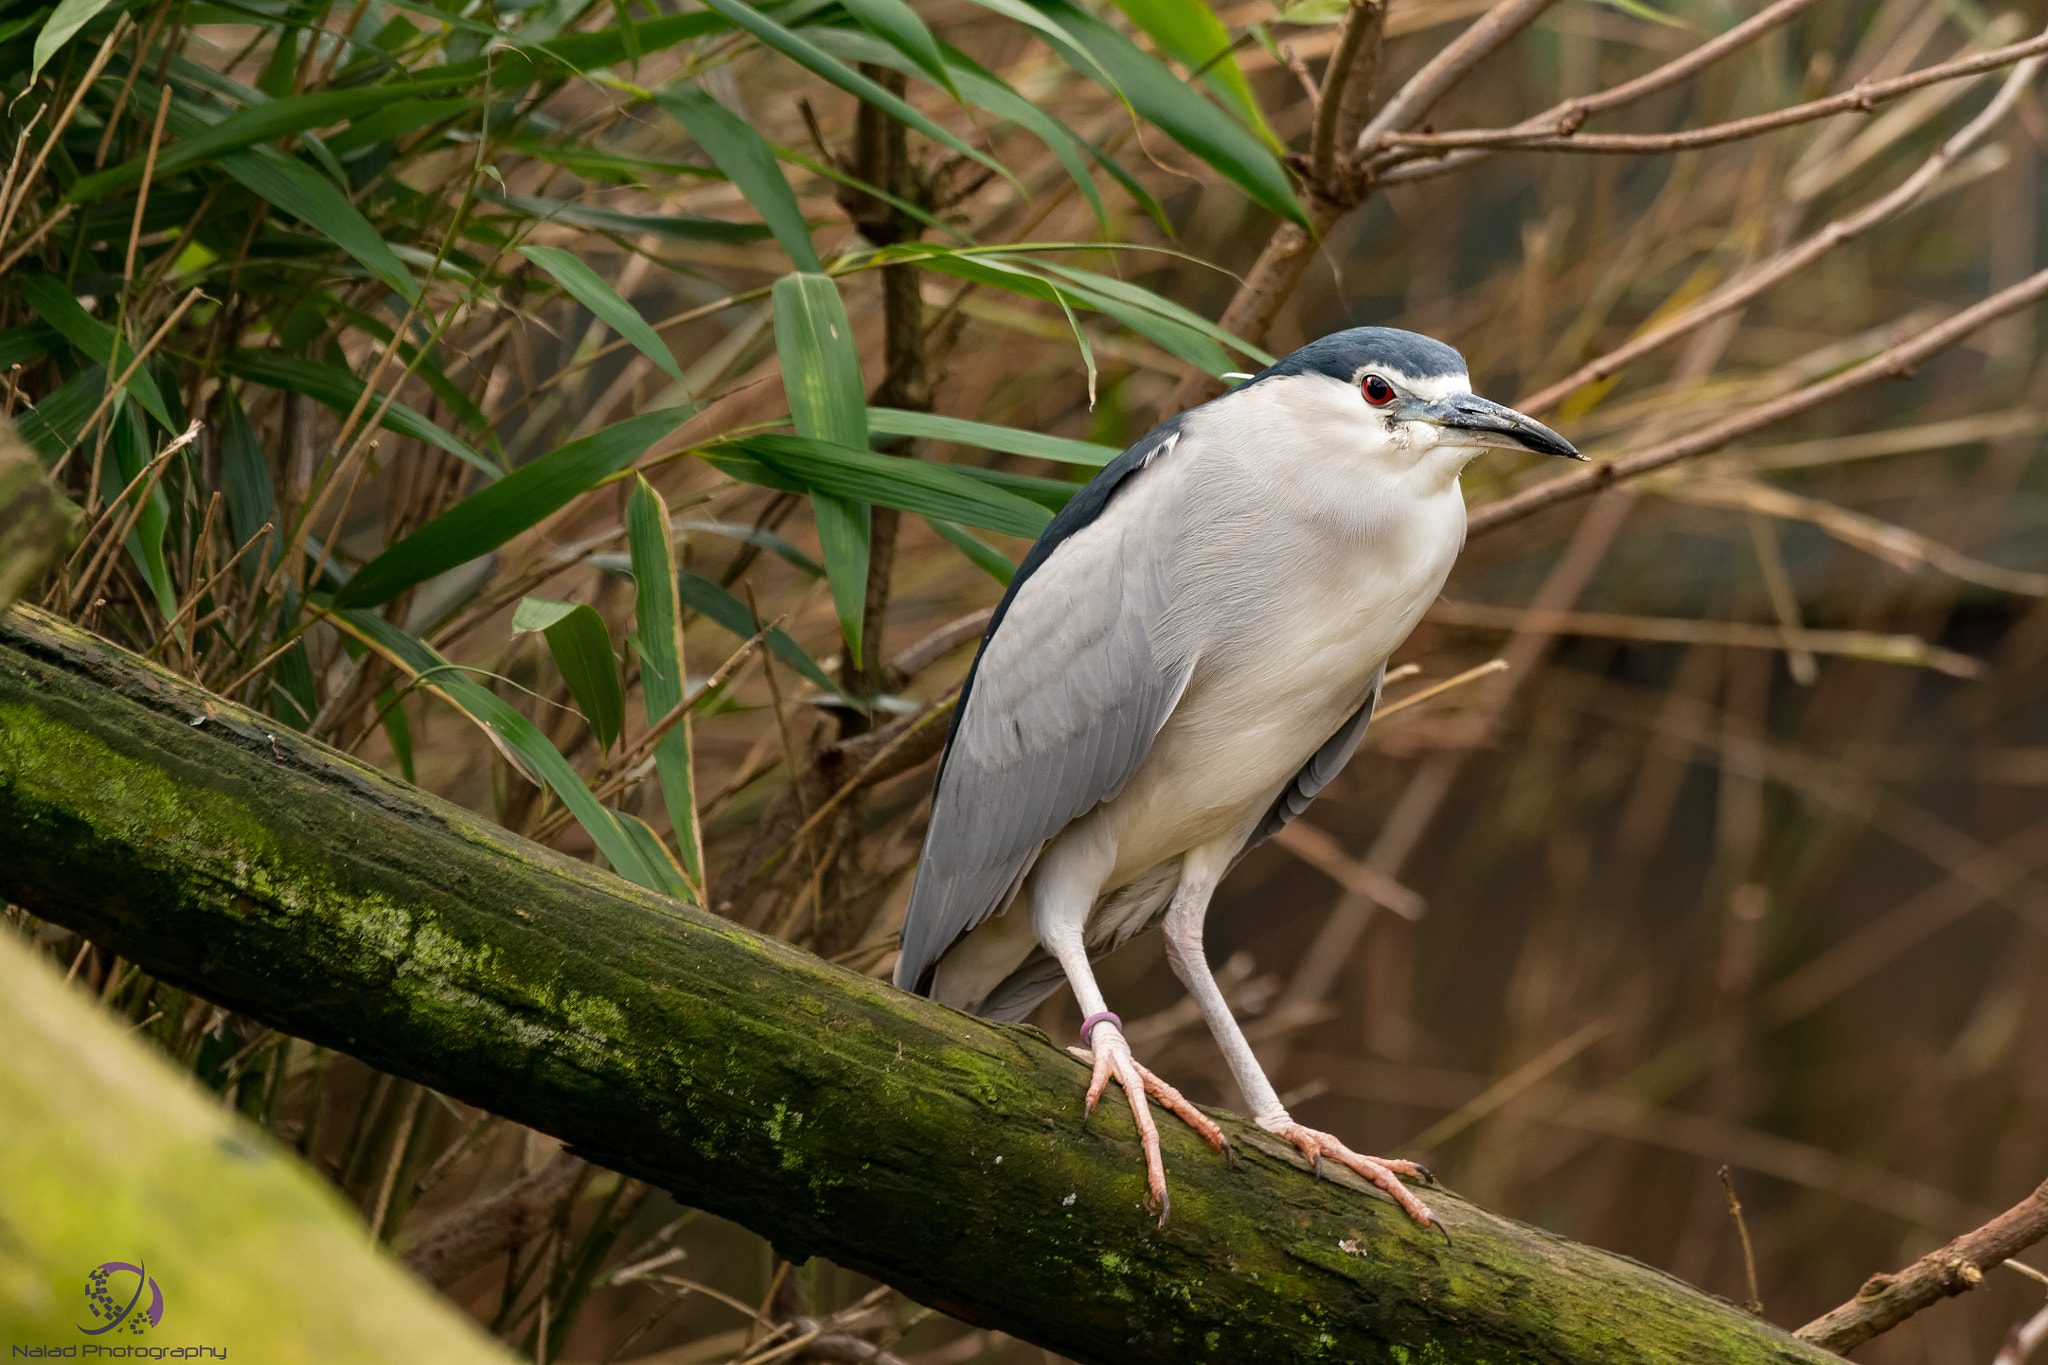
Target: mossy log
column 110, row 1154
column 827, row 1111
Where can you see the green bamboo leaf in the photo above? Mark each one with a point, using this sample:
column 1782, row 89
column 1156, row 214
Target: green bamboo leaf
column 984, row 89
column 977, row 87
column 1019, row 12
column 426, row 367
column 707, row 599
column 588, row 288
column 820, row 365
column 51, row 298
column 251, row 496
column 814, row 59
column 1009, row 440
column 52, row 426
column 1190, row 30
column 825, row 170
column 764, row 538
column 494, row 514
column 1163, row 98
column 1051, row 494
column 1027, row 278
column 203, row 135
column 1637, row 9
column 677, row 227
column 1137, row 296
column 844, row 529
column 896, row 24
column 517, row 738
column 618, row 168
column 582, row 647
column 22, row 345
column 931, row 490
column 979, row 552
column 821, row 376
column 63, row 23
column 745, row 158
column 669, row 874
column 314, row 200
column 395, row 121
column 338, row 388
column 129, row 448
column 527, row 61
column 659, row 640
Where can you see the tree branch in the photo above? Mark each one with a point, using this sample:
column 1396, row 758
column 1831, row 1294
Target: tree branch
column 1885, row 1301
column 1864, row 98
column 1456, row 61
column 1893, row 363
column 1577, row 111
column 1795, row 258
column 823, row 1109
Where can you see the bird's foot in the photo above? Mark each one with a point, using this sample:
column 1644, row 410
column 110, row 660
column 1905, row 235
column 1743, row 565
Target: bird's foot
column 1382, row 1171
column 1112, row 1060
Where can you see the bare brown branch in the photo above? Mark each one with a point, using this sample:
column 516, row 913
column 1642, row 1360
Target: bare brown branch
column 1864, row 98
column 1753, row 282
column 1894, row 362
column 1649, row 83
column 1885, row 1301
column 473, row 1236
column 1456, row 61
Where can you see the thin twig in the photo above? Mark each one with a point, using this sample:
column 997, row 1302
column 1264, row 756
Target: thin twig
column 853, row 784
column 1754, row 1303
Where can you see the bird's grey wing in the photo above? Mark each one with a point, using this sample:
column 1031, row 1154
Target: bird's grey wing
column 1320, row 770
column 1074, row 679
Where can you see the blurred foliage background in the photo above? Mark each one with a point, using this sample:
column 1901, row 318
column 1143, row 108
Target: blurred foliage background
column 619, row 418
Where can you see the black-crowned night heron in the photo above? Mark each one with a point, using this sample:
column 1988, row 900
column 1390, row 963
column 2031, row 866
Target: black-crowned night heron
column 1188, row 655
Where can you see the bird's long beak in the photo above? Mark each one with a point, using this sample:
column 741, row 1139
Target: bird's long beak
column 1483, row 422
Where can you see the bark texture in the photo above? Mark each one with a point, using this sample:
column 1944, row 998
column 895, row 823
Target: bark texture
column 823, row 1109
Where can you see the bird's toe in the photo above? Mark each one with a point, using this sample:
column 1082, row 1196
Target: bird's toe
column 1382, row 1172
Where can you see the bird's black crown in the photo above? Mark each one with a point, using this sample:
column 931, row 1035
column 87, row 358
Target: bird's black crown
column 1341, row 355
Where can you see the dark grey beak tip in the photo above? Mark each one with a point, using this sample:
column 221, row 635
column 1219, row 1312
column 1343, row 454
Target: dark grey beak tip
column 1472, row 413
column 1533, row 435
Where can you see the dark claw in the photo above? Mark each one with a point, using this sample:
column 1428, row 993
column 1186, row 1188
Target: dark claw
column 1315, row 1163
column 1438, row 1224
column 1230, row 1154
column 1428, row 1176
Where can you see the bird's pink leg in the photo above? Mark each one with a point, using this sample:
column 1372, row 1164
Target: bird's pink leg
column 1184, row 951
column 1111, row 1059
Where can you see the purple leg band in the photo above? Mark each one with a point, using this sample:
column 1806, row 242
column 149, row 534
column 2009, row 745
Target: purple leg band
column 1088, row 1024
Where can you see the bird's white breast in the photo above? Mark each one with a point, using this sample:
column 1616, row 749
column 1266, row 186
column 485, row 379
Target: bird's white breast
column 1308, row 546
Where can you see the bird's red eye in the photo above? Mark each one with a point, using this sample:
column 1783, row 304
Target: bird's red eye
column 1378, row 391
